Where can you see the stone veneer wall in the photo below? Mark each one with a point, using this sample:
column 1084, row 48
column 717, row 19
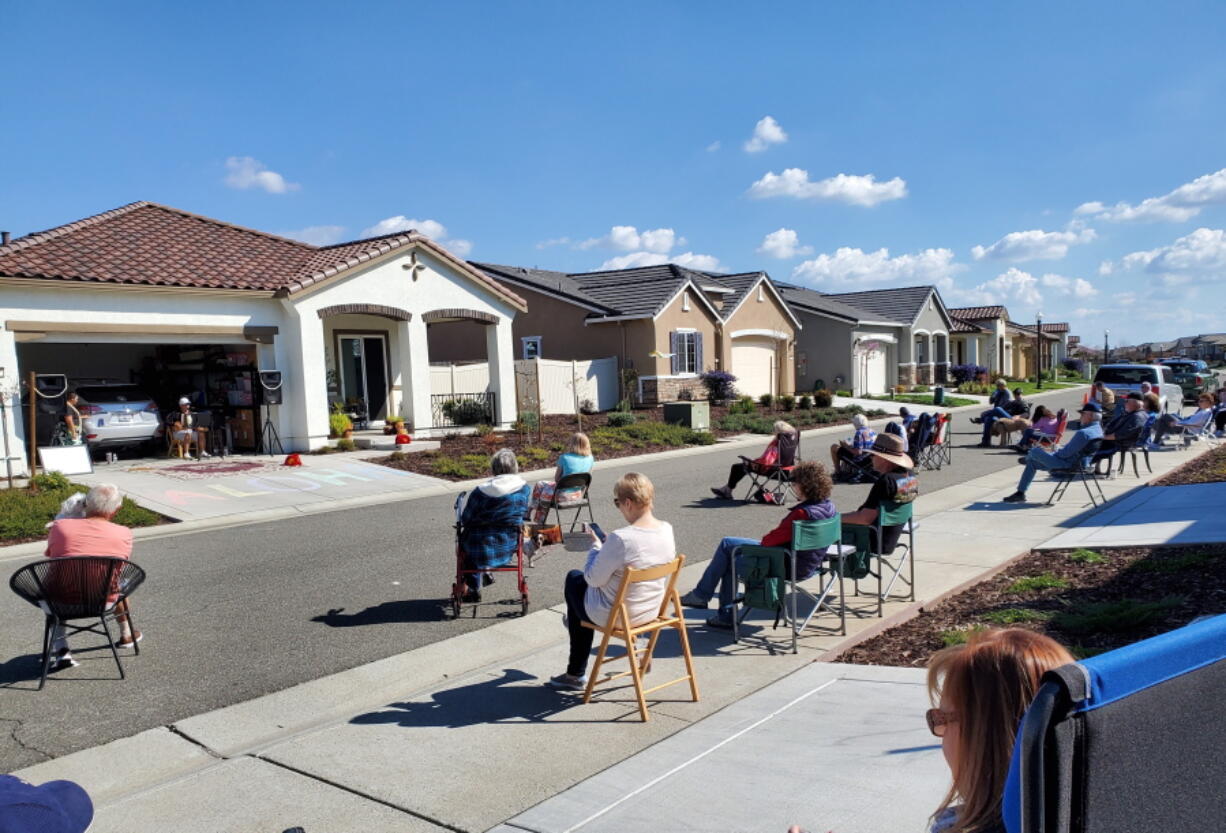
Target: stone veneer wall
column 656, row 391
column 942, row 373
column 923, row 374
column 906, row 373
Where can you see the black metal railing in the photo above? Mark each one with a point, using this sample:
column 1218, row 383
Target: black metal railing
column 449, row 410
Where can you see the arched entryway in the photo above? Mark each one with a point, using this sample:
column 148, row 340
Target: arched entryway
column 361, row 349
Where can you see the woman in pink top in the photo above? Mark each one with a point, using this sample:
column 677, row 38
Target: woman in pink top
column 94, row 534
column 1045, row 425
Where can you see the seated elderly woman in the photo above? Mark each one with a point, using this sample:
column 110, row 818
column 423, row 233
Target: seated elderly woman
column 851, row 457
column 577, row 459
column 645, row 541
column 92, row 534
column 780, row 451
column 1044, row 425
column 812, row 485
column 491, row 521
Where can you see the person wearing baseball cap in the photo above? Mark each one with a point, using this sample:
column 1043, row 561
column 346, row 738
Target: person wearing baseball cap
column 895, row 482
column 1069, row 456
column 53, row 807
column 182, row 425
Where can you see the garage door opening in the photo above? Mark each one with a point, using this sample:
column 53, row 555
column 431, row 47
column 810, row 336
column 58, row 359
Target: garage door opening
column 127, row 389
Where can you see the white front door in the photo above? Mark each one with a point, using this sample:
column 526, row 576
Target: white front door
column 753, row 365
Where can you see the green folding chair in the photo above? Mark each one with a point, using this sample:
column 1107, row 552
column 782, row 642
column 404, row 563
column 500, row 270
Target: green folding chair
column 861, row 562
column 819, row 535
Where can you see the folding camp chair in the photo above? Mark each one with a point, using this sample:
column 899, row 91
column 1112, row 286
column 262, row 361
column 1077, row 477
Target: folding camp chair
column 1129, row 740
column 580, row 480
column 774, row 479
column 921, row 443
column 940, row 450
column 889, row 514
column 1053, row 439
column 640, row 658
column 825, row 535
column 1083, row 471
column 1202, row 434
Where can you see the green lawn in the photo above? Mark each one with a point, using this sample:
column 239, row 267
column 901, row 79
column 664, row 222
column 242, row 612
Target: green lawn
column 925, row 399
column 1030, row 388
column 24, row 513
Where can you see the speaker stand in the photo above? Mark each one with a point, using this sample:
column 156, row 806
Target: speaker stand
column 269, row 438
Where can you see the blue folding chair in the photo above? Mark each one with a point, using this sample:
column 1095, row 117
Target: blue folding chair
column 1130, row 740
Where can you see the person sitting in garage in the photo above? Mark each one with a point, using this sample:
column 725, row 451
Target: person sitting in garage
column 182, row 425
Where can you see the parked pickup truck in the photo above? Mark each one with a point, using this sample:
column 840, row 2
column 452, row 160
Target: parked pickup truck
column 1194, row 376
column 1124, row 379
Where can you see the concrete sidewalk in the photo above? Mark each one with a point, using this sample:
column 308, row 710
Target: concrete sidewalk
column 462, row 735
column 1189, row 514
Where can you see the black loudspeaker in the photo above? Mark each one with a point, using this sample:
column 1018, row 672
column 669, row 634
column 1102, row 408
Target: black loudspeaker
column 270, row 384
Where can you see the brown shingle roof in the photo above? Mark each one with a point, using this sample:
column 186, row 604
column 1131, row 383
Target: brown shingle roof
column 144, row 243
column 978, row 313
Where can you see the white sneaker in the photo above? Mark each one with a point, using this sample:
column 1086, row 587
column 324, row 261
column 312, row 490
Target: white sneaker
column 204, row 454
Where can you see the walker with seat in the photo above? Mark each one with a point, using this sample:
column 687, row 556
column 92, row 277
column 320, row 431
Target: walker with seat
column 515, row 565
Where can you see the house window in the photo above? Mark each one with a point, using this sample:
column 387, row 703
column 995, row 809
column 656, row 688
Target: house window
column 761, row 294
column 685, row 302
column 531, row 347
column 687, row 352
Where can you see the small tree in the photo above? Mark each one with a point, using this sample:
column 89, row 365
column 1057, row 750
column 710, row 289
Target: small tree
column 720, row 385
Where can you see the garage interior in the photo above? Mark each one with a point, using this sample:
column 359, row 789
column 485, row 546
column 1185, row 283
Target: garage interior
column 219, row 378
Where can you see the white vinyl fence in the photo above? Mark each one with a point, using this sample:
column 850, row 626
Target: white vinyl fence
column 562, row 384
column 459, row 378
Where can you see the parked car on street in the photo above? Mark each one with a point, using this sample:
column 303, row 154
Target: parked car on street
column 1194, row 376
column 117, row 415
column 1127, row 378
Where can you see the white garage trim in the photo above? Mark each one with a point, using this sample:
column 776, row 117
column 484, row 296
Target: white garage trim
column 886, row 337
column 775, row 334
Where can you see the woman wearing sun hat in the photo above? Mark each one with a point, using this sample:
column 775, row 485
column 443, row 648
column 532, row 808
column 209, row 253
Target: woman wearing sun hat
column 896, row 482
column 53, row 807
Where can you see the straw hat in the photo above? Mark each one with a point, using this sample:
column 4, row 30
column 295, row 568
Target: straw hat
column 890, row 447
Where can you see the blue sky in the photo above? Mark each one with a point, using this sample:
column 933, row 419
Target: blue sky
column 1069, row 157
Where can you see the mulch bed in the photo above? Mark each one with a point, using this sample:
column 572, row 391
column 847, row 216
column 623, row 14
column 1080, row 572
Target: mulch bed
column 1090, row 601
column 1207, row 468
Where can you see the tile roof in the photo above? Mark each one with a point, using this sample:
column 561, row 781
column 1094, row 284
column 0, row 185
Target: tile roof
column 1056, row 327
column 901, row 304
column 144, row 243
column 554, row 283
column 978, row 313
column 1014, row 328
column 809, row 300
column 643, row 291
column 958, row 325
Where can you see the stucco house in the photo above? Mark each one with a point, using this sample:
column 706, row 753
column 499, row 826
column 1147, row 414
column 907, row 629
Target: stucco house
column 143, row 292
column 869, row 341
column 986, row 336
column 666, row 322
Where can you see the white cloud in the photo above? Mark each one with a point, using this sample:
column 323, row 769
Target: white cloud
column 1087, row 312
column 706, row 263
column 1184, row 203
column 553, row 241
column 1016, row 286
column 433, row 229
column 714, row 146
column 317, row 235
column 783, row 244
column 1076, row 287
column 851, row 189
column 630, row 239
column 848, row 268
column 243, row 173
column 1106, row 267
column 766, row 132
column 1198, row 256
column 1035, row 244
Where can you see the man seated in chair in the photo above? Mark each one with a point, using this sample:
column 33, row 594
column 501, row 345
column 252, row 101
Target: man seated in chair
column 812, row 486
column 1125, row 428
column 1068, row 457
column 780, row 451
column 491, row 521
column 93, row 534
column 182, row 426
column 896, row 483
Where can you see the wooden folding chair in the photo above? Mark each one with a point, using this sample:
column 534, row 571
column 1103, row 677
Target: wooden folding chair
column 619, row 626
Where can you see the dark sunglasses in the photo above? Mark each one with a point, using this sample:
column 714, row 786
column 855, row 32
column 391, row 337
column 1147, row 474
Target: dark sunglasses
column 938, row 720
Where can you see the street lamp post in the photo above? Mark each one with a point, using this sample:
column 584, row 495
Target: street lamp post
column 1038, row 347
column 1106, row 347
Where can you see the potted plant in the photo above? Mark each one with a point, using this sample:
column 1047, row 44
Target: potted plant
column 393, row 425
column 339, row 423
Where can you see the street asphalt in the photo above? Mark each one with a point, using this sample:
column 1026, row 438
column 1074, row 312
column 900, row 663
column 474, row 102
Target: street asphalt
column 232, row 614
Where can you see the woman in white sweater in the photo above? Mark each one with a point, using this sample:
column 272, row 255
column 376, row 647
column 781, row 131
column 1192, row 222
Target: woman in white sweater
column 645, row 542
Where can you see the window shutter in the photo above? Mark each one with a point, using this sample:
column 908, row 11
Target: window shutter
column 673, row 348
column 698, row 365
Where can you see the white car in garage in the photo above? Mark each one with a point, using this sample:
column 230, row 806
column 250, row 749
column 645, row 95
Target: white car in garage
column 118, row 415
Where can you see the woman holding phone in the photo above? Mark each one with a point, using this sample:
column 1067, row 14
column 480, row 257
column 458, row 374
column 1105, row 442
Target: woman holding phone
column 645, row 541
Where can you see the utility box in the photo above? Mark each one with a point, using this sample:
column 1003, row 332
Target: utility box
column 696, row 415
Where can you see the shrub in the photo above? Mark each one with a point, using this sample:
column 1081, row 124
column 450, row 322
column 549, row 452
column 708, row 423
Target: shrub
column 398, row 456
column 484, row 429
column 806, row 402
column 788, row 403
column 743, row 405
column 529, row 419
column 747, row 422
column 324, row 449
column 921, row 389
column 846, row 393
column 466, row 466
column 1016, row 615
column 1044, row 581
column 620, row 419
column 464, row 411
column 720, row 385
column 587, row 406
column 1072, row 365
column 975, row 388
column 48, row 481
column 765, row 400
column 823, row 398
column 345, row 444
column 339, row 423
column 966, row 372
column 1084, row 556
column 534, row 454
column 624, row 406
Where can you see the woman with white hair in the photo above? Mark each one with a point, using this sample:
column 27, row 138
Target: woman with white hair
column 781, row 451
column 853, row 455
column 491, row 521
column 93, row 534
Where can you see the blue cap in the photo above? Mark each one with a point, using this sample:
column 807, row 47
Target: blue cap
column 1092, row 406
column 54, row 807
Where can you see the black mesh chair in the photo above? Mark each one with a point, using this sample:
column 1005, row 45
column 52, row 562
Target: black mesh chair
column 1129, row 740
column 1083, row 472
column 579, row 480
column 78, row 588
